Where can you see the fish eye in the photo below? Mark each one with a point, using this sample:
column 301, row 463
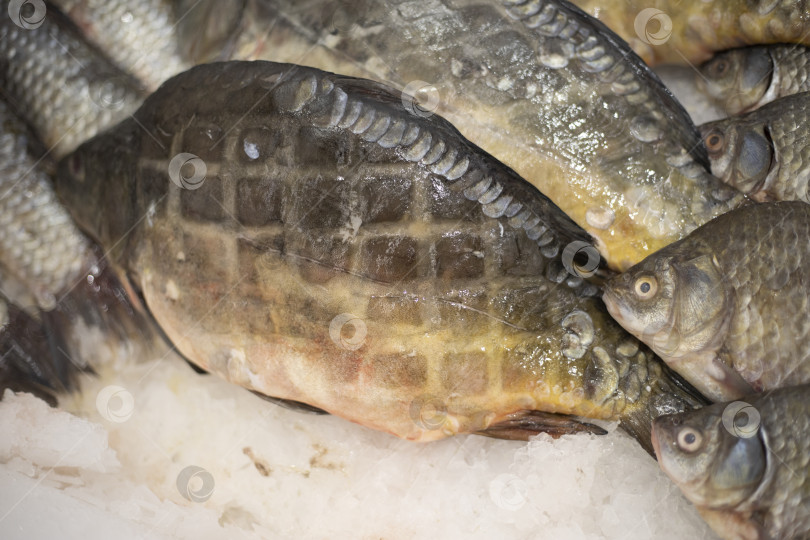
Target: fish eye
column 645, row 287
column 714, row 141
column 718, row 68
column 689, row 440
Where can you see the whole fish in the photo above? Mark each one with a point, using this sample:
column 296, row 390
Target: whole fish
column 764, row 153
column 690, row 31
column 370, row 261
column 743, row 464
column 539, row 84
column 68, row 90
column 726, row 307
column 741, row 80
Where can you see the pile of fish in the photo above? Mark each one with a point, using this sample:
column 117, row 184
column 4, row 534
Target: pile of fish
column 274, row 190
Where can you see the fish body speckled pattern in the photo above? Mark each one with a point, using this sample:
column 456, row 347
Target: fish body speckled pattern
column 741, row 80
column 727, row 306
column 764, row 153
column 374, row 261
column 744, row 464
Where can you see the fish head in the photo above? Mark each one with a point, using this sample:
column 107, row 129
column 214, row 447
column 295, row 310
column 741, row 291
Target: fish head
column 737, row 79
column 712, row 461
column 741, row 154
column 642, row 299
column 677, row 303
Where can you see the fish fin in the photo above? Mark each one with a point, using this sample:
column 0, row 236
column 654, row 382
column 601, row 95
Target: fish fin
column 28, row 363
column 291, row 404
column 521, row 425
column 197, row 369
column 730, row 524
column 732, row 385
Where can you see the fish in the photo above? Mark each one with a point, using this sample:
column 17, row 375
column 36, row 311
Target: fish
column 763, row 153
column 141, row 38
column 68, row 89
column 372, row 263
column 40, row 246
column 540, row 85
column 726, row 307
column 690, row 32
column 740, row 80
column 744, row 463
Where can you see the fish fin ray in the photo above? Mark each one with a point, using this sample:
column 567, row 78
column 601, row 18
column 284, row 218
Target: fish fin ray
column 521, row 425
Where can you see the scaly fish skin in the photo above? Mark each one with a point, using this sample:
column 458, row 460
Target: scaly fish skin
column 450, row 276
column 540, row 85
column 67, row 89
column 40, row 246
column 741, row 80
column 726, row 306
column 141, row 38
column 689, row 31
column 764, row 153
column 743, row 464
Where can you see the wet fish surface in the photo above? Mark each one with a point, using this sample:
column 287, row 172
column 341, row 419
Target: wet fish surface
column 727, row 306
column 689, row 32
column 374, row 264
column 541, row 86
column 743, row 79
column 68, row 90
column 764, row 153
column 743, row 464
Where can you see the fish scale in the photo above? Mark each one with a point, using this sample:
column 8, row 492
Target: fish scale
column 68, row 89
column 326, row 200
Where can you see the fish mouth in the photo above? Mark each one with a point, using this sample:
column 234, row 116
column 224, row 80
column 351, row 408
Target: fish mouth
column 616, row 307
